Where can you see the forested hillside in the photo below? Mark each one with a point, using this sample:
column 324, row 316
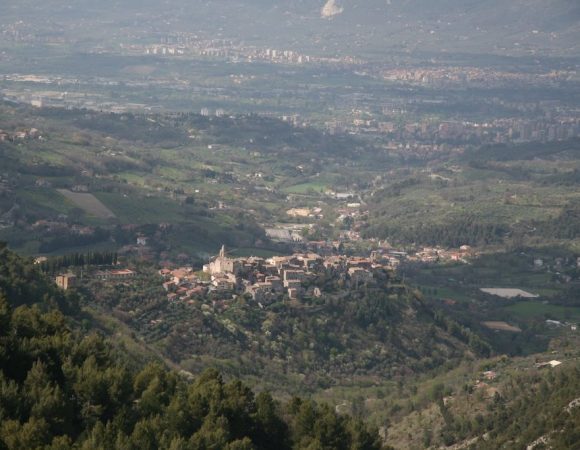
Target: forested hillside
column 536, row 409
column 517, row 406
column 63, row 389
column 349, row 333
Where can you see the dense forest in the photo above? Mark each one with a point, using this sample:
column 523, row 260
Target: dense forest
column 62, row 389
column 463, row 230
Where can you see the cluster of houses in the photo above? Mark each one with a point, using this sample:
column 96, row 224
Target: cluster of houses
column 31, row 133
column 437, row 254
column 315, row 213
column 117, row 274
column 560, row 267
column 268, row 280
column 70, row 280
column 60, row 225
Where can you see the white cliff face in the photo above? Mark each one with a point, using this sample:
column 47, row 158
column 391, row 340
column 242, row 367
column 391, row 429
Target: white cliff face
column 331, row 9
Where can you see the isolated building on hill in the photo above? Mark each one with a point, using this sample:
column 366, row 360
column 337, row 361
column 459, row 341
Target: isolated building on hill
column 66, row 281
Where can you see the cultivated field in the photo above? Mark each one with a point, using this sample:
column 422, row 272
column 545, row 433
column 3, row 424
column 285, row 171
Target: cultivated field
column 88, row 202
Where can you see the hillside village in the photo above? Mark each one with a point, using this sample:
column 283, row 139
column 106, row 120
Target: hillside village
column 268, row 280
column 301, row 275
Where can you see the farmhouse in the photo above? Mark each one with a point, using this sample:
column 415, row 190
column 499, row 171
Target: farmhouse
column 120, row 274
column 551, row 364
column 66, row 281
column 298, row 212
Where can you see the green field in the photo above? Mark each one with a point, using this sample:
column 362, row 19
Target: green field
column 534, row 310
column 89, row 203
column 141, row 210
column 306, row 188
column 46, row 200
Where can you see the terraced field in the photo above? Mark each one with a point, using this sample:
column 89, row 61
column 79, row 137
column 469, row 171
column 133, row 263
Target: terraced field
column 89, row 203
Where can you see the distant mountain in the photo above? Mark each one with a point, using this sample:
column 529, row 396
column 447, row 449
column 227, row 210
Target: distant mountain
column 370, row 27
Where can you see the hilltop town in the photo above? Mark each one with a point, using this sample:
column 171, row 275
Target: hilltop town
column 266, row 280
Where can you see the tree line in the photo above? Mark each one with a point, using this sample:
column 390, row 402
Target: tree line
column 56, row 263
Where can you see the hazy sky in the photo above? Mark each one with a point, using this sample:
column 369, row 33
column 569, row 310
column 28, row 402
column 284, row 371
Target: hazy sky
column 530, row 27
